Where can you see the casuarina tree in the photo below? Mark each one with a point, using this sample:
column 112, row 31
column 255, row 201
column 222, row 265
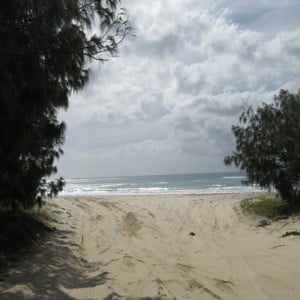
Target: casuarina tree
column 44, row 50
column 268, row 146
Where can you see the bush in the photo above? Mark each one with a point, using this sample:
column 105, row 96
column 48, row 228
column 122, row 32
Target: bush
column 268, row 146
column 268, row 207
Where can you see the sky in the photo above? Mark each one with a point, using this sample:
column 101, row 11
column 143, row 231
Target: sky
column 166, row 104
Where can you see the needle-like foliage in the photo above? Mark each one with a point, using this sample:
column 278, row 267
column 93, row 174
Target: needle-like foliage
column 268, row 146
column 44, row 49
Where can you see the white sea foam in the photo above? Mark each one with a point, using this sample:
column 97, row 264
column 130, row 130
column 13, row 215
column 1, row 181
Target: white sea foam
column 158, row 191
column 234, row 177
column 161, row 184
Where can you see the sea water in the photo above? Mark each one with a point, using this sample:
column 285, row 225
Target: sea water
column 204, row 183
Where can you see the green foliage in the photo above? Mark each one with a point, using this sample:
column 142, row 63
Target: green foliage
column 44, row 49
column 268, row 146
column 289, row 233
column 264, row 207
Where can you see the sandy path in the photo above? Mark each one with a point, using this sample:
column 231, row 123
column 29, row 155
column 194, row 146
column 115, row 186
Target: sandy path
column 141, row 246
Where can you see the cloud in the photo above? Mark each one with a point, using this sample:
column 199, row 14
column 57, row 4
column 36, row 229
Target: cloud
column 176, row 89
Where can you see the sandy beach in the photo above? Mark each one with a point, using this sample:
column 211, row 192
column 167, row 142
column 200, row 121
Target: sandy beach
column 163, row 247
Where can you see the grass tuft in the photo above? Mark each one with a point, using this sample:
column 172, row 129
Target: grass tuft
column 268, row 207
column 288, row 233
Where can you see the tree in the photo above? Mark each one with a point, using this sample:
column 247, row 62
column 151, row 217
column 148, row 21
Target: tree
column 268, row 146
column 44, row 50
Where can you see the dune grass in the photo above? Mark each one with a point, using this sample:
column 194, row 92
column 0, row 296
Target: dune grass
column 272, row 208
column 289, row 233
column 268, row 206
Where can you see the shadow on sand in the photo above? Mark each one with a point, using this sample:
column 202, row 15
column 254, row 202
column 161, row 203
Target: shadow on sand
column 116, row 296
column 49, row 270
column 52, row 269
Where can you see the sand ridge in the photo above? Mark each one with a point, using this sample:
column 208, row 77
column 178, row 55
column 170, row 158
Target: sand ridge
column 129, row 247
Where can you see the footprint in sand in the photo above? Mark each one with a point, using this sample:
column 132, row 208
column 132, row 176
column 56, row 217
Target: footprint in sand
column 195, row 285
column 184, row 269
column 109, row 205
column 128, row 261
column 160, row 288
column 224, row 285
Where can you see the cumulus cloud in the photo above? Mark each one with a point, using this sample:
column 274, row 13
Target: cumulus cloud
column 168, row 102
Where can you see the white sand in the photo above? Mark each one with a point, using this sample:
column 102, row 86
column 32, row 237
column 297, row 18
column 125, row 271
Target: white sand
column 138, row 246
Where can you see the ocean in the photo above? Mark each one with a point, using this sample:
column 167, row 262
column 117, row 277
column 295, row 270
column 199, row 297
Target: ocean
column 204, row 183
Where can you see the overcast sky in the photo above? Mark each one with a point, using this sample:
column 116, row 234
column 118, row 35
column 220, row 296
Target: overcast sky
column 167, row 103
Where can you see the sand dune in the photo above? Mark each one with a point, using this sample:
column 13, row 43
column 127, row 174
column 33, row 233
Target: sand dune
column 164, row 247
